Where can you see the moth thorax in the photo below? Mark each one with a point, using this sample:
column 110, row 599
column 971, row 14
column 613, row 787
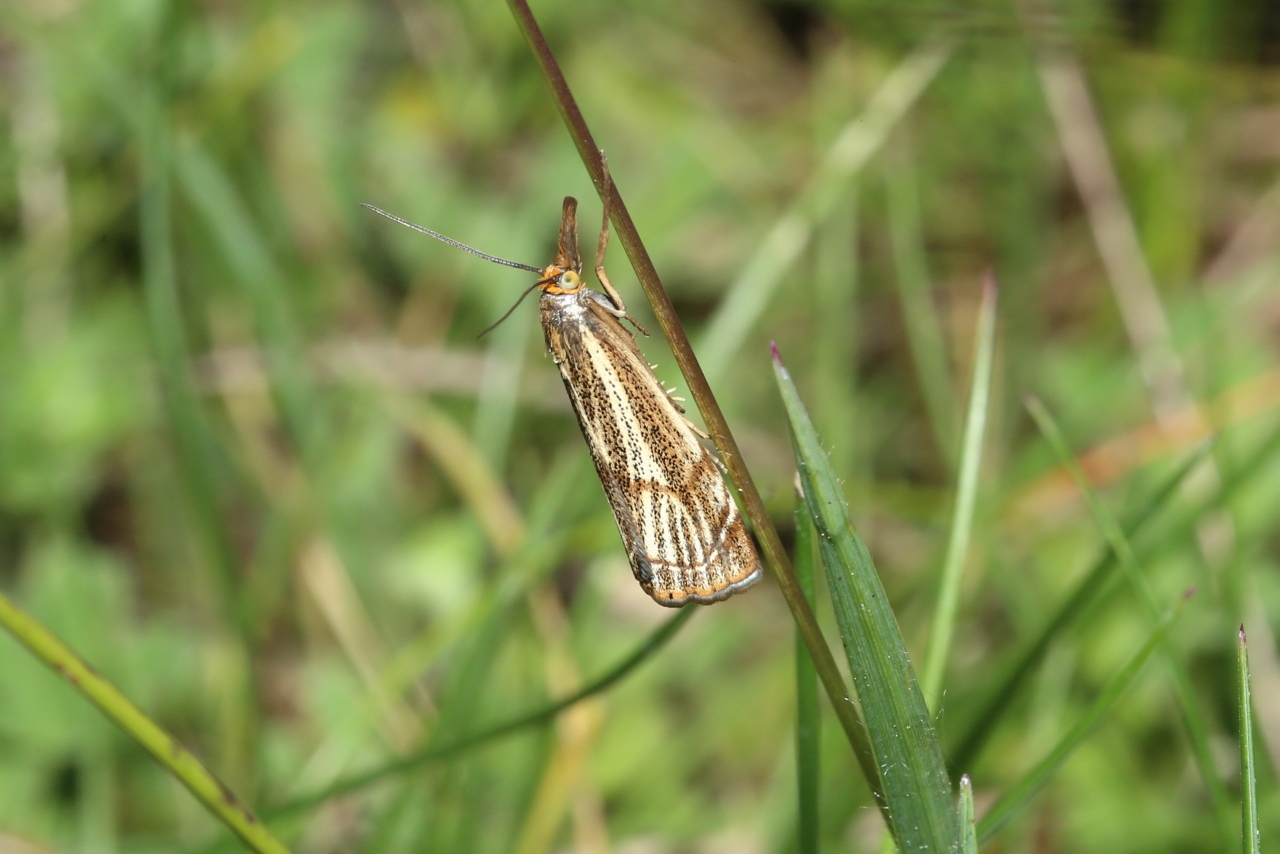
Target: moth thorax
column 565, row 303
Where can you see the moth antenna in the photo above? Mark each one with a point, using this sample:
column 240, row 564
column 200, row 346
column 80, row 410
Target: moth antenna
column 516, row 305
column 464, row 247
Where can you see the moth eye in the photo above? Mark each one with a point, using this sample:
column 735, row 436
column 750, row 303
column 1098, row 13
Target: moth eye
column 570, row 280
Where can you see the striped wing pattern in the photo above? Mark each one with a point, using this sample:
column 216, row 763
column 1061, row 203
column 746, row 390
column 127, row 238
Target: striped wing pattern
column 679, row 524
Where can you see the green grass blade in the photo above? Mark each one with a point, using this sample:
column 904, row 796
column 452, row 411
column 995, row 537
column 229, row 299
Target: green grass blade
column 194, row 440
column 944, row 618
column 462, row 744
column 837, row 335
column 1110, row 527
column 121, row 711
column 1248, row 779
column 199, row 457
column 227, row 220
column 1090, row 586
column 968, row 827
column 1017, row 797
column 808, row 702
column 925, row 336
column 748, row 297
column 1193, row 717
column 918, row 803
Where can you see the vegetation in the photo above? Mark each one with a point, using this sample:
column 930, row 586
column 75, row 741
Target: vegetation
column 266, row 501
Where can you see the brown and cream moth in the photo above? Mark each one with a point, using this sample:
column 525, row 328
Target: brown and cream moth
column 679, row 524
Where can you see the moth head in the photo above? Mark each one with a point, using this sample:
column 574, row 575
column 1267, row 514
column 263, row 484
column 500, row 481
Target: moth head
column 556, row 280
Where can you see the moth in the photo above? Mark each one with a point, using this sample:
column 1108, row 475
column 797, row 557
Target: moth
column 681, row 530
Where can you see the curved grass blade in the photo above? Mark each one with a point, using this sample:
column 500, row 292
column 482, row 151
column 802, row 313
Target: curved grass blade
column 121, row 711
column 1194, row 719
column 917, row 801
column 808, row 710
column 1248, row 779
column 1089, row 587
column 462, row 744
column 1016, row 798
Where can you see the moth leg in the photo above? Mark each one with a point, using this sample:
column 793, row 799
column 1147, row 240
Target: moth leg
column 602, row 242
column 619, row 308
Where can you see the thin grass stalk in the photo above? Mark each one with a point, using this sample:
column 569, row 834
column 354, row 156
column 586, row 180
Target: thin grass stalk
column 775, row 555
column 1115, row 233
column 944, row 618
column 925, row 337
column 121, row 711
column 808, row 711
column 193, row 438
column 837, row 333
column 1251, row 835
column 465, row 743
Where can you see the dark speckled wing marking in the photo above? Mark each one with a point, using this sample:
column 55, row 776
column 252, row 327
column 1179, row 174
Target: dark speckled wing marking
column 678, row 521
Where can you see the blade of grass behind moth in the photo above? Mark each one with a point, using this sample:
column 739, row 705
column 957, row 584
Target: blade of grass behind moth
column 466, row 468
column 540, row 551
column 775, row 555
column 1013, row 801
column 260, row 279
column 1093, row 582
column 944, row 618
column 808, row 711
column 402, row 817
column 1252, row 839
column 968, row 828
column 462, row 744
column 460, row 700
column 1193, row 717
column 917, row 800
column 197, row 449
column 924, row 330
column 831, row 183
column 228, row 222
column 1237, row 473
column 833, row 305
column 121, row 711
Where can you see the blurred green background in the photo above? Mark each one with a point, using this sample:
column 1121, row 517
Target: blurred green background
column 256, row 467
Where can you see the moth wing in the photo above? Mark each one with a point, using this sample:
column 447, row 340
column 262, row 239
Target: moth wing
column 682, row 531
